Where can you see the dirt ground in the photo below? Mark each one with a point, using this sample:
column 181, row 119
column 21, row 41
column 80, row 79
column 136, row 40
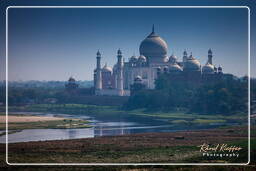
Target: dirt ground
column 108, row 149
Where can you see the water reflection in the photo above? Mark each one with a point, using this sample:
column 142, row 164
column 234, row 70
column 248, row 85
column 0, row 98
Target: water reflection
column 59, row 134
column 103, row 131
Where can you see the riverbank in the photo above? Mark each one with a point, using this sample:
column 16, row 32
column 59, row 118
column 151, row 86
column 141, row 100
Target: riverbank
column 175, row 147
column 20, row 122
column 178, row 117
column 19, row 119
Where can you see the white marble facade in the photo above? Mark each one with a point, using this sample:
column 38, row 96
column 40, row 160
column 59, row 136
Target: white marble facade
column 153, row 59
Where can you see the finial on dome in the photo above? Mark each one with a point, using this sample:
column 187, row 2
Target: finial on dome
column 153, row 28
column 98, row 53
column 210, row 51
column 119, row 51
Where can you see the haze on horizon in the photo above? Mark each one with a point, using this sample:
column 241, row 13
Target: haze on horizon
column 54, row 44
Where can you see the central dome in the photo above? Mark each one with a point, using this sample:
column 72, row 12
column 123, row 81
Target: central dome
column 154, row 48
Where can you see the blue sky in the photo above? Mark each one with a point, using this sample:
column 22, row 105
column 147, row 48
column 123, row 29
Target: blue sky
column 53, row 44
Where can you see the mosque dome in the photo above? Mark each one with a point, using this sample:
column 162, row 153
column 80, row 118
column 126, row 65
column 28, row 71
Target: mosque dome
column 142, row 58
column 208, row 68
column 71, row 79
column 175, row 68
column 106, row 68
column 154, row 48
column 192, row 64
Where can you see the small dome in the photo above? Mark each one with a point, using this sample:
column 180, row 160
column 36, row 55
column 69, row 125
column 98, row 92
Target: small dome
column 138, row 78
column 133, row 59
column 71, row 79
column 208, row 68
column 219, row 69
column 142, row 58
column 172, row 59
column 165, row 69
column 106, row 68
column 175, row 68
column 166, row 59
column 192, row 64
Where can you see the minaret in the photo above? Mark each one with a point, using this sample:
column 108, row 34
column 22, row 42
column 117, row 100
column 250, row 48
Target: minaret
column 185, row 56
column 98, row 72
column 120, row 72
column 210, row 56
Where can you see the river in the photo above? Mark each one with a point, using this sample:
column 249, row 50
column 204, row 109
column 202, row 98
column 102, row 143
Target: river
column 101, row 126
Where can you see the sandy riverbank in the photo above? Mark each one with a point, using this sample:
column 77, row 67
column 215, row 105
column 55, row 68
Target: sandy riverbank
column 18, row 119
column 19, row 122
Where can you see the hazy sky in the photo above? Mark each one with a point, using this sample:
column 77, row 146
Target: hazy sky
column 53, row 44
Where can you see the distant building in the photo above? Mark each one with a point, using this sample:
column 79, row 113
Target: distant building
column 144, row 69
column 71, row 85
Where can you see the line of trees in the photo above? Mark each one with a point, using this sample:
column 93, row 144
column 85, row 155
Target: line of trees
column 22, row 95
column 42, row 95
column 226, row 96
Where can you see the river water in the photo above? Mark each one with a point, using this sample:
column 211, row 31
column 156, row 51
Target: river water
column 101, row 126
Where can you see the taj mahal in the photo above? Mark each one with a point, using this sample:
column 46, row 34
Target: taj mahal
column 144, row 69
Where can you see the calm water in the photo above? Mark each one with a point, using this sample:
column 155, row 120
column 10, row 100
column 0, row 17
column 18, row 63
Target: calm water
column 102, row 126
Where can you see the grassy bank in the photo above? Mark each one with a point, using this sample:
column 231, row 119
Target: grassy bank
column 174, row 117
